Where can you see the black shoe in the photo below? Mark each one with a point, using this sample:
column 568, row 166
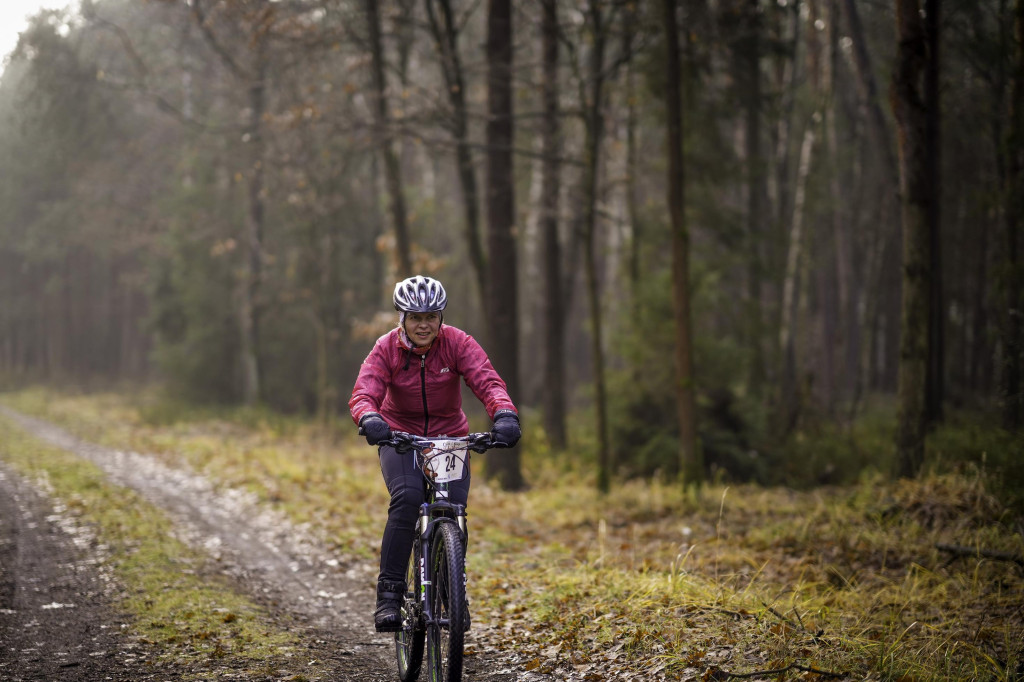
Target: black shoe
column 388, row 615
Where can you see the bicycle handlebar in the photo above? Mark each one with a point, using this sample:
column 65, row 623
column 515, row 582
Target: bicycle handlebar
column 404, row 442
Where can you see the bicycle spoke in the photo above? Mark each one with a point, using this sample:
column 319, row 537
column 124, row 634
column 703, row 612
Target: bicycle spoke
column 447, row 631
column 410, row 639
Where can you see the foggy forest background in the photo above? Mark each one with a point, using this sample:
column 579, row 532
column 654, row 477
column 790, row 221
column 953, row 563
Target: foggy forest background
column 815, row 273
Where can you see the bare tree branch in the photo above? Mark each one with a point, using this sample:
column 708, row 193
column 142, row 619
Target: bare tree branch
column 214, row 43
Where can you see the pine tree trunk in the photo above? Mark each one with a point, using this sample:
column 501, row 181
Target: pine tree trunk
column 880, row 337
column 446, row 36
column 554, row 317
column 908, row 103
column 936, row 386
column 787, row 82
column 878, row 128
column 594, row 119
column 847, row 331
column 1013, row 400
column 691, row 466
column 750, row 73
column 392, row 169
column 502, row 294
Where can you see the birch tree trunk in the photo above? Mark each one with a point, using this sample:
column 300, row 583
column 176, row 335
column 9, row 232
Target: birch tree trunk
column 909, row 106
column 789, row 403
column 250, row 309
column 633, row 191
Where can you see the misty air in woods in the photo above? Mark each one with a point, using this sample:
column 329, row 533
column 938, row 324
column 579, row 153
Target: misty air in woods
column 746, row 240
column 750, row 269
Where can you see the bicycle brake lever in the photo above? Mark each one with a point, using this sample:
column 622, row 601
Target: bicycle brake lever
column 402, row 441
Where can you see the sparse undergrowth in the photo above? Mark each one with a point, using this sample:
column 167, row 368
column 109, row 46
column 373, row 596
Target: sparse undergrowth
column 174, row 603
column 649, row 582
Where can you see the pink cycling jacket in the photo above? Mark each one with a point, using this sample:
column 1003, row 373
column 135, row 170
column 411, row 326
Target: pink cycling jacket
column 419, row 391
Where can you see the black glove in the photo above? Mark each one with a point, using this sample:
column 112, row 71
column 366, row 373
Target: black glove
column 506, row 431
column 374, row 428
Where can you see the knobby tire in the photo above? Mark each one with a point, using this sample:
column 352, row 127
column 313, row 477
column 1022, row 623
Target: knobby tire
column 445, row 639
column 409, row 640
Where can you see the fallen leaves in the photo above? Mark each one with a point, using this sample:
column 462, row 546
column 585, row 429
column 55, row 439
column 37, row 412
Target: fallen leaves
column 649, row 584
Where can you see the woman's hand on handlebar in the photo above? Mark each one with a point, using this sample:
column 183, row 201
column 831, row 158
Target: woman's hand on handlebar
column 374, row 428
column 506, row 431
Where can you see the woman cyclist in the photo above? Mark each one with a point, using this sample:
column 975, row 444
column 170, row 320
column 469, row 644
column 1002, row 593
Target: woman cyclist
column 410, row 382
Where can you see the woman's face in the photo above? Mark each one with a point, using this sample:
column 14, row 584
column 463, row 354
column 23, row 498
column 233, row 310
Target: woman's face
column 422, row 327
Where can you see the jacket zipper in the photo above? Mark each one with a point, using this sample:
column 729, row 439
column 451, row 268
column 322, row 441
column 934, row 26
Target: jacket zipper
column 423, row 391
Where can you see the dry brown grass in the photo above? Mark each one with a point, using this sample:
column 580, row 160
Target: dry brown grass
column 652, row 583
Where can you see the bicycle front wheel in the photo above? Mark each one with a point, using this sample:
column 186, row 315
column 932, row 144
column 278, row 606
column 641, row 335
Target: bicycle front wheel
column 409, row 640
column 446, row 634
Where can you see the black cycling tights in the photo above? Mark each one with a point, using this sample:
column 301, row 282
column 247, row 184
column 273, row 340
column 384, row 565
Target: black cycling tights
column 407, row 487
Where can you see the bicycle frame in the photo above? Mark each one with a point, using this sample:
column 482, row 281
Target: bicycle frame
column 440, row 460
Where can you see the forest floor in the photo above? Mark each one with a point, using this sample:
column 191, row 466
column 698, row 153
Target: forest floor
column 61, row 616
column 268, row 529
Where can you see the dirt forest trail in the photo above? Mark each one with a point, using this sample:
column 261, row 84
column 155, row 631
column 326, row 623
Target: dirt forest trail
column 40, row 583
column 277, row 563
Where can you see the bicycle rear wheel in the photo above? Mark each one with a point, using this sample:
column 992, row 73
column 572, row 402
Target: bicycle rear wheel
column 445, row 637
column 409, row 640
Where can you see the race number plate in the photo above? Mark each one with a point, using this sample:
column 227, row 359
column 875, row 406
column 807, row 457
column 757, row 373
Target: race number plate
column 445, row 461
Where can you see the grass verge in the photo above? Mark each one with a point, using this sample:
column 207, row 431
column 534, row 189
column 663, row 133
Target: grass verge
column 170, row 595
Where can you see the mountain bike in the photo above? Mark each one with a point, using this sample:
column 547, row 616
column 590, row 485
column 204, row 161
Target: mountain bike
column 435, row 614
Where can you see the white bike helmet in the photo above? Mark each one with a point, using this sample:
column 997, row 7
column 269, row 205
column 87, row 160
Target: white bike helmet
column 420, row 294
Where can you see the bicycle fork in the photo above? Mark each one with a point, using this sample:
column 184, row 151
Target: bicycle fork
column 426, row 529
column 423, row 540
